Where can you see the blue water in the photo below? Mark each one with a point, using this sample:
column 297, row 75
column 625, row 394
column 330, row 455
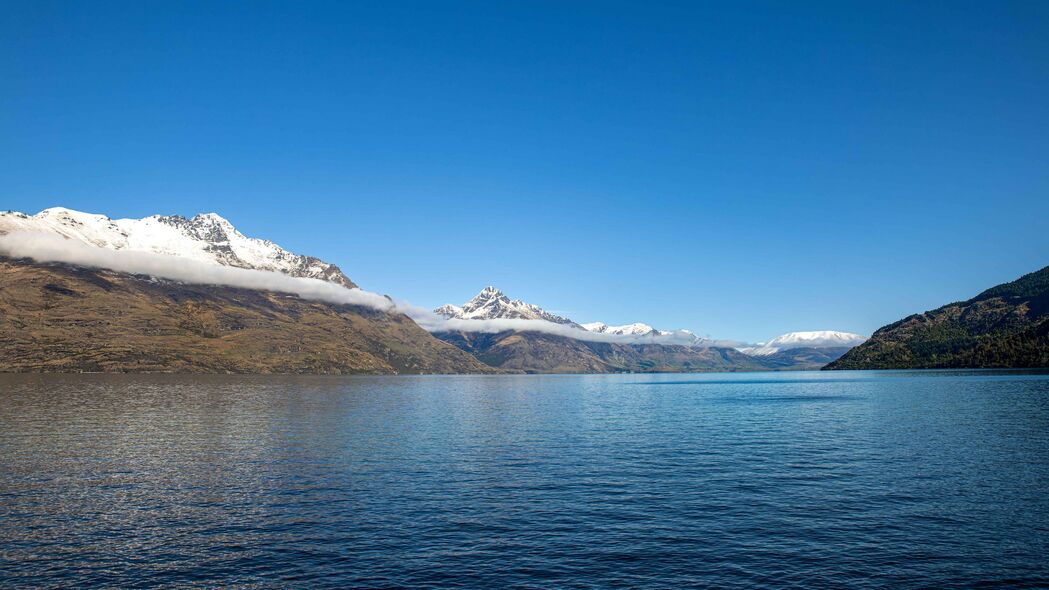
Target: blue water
column 807, row 480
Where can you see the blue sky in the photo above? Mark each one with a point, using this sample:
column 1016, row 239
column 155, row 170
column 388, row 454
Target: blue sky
column 740, row 169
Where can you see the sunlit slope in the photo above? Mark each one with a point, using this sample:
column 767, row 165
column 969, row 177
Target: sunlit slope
column 65, row 319
column 1005, row 326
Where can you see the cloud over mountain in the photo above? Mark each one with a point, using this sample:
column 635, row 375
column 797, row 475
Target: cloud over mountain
column 492, row 311
column 46, row 247
column 43, row 247
column 207, row 249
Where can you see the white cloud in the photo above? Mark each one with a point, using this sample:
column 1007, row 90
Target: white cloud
column 433, row 322
column 43, row 247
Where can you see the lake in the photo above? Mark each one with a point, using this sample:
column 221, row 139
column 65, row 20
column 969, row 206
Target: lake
column 816, row 480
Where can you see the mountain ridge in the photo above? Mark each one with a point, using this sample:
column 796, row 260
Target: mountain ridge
column 206, row 237
column 1004, row 326
column 537, row 352
column 634, row 329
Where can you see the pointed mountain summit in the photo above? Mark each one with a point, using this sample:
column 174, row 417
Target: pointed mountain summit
column 207, row 237
column 493, row 304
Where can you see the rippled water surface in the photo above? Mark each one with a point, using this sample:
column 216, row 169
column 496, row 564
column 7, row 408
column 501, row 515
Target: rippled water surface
column 892, row 479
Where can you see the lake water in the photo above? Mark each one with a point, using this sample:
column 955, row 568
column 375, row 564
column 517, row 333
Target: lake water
column 858, row 480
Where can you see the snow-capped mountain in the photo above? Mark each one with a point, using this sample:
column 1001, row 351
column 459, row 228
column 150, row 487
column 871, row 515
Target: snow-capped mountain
column 205, row 238
column 635, row 329
column 686, row 337
column 818, row 339
column 491, row 304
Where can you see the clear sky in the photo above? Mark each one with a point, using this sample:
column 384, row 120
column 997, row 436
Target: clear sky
column 741, row 169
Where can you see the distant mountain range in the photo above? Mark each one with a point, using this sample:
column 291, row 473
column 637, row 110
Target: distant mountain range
column 539, row 352
column 1005, row 326
column 492, row 304
column 636, row 347
column 56, row 315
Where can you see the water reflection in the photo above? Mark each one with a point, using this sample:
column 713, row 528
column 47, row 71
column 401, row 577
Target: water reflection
column 856, row 479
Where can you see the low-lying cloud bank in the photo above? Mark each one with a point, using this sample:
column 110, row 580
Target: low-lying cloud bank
column 43, row 247
column 52, row 248
column 433, row 322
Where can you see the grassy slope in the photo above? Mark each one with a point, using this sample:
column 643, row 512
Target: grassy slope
column 56, row 318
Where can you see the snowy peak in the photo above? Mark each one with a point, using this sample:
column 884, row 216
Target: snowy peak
column 635, row 329
column 207, row 237
column 642, row 330
column 489, row 292
column 449, row 311
column 489, row 297
column 816, row 339
column 492, row 304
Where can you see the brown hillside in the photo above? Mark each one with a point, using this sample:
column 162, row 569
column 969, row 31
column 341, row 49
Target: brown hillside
column 58, row 318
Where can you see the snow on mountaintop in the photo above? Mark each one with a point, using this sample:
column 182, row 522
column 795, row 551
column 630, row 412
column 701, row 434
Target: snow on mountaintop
column 817, row 339
column 491, row 304
column 635, row 329
column 207, row 237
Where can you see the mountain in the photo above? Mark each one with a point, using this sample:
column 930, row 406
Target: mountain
column 491, row 304
column 537, row 352
column 801, row 359
column 818, row 339
column 635, row 329
column 205, row 238
column 641, row 347
column 1004, row 326
column 61, row 318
